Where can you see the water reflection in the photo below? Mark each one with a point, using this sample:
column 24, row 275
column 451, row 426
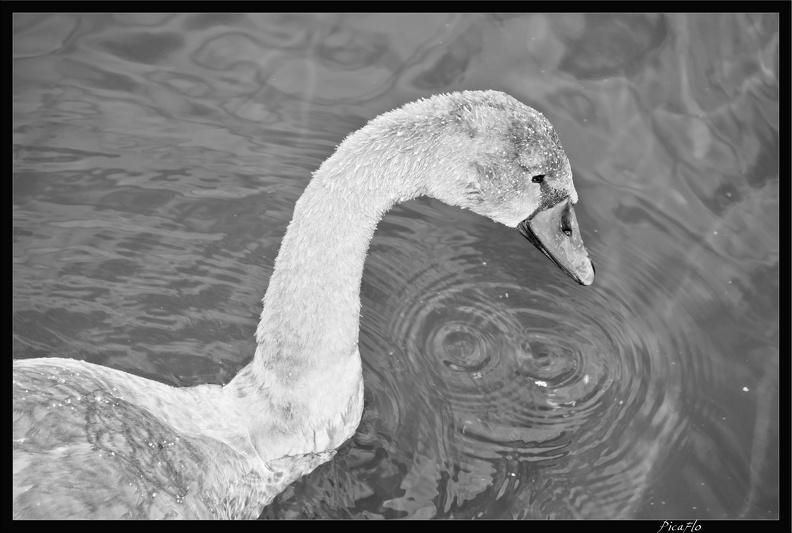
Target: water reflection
column 158, row 158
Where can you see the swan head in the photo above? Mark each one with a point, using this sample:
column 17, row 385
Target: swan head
column 505, row 161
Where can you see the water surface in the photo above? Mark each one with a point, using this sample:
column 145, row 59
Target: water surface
column 158, row 159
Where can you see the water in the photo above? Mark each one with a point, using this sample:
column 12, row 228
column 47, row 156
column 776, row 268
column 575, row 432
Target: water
column 158, row 159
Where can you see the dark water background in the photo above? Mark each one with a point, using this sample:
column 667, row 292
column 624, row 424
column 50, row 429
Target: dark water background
column 158, row 159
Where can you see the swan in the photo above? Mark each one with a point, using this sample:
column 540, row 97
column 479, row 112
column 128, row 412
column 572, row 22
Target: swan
column 95, row 442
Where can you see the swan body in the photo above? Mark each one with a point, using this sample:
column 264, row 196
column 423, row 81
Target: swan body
column 94, row 442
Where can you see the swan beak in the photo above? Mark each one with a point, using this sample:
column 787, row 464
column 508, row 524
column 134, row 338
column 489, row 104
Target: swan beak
column 555, row 232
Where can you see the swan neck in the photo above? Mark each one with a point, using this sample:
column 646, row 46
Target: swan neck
column 310, row 317
column 303, row 390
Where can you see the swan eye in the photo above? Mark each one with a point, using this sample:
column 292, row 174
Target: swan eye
column 539, row 178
